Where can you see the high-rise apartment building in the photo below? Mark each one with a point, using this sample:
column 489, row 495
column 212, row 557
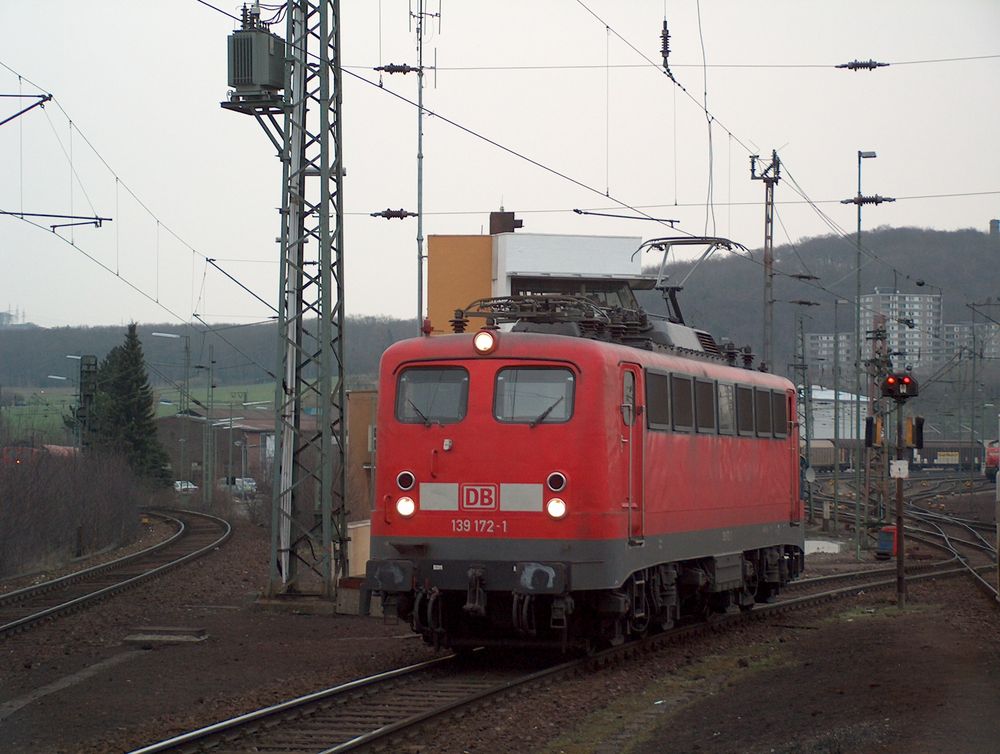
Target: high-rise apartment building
column 912, row 323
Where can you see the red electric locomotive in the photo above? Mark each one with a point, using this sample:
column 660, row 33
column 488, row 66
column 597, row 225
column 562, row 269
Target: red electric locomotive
column 589, row 475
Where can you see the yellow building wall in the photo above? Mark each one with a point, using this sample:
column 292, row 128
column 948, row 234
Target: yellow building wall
column 459, row 271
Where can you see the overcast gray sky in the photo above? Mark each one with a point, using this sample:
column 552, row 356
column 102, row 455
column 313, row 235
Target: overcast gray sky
column 142, row 81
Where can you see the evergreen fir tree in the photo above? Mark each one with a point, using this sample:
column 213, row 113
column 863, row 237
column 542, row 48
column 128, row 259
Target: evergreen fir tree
column 124, row 414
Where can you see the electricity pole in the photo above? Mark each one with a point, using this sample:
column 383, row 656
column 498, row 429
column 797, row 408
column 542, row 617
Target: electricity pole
column 770, row 175
column 309, row 529
column 420, row 17
column 860, row 200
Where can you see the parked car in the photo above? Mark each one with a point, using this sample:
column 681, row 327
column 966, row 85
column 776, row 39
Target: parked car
column 182, row 487
column 239, row 486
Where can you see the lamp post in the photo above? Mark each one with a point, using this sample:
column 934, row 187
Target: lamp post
column 836, row 409
column 859, row 201
column 996, row 513
column 77, row 429
column 185, row 392
column 183, row 404
column 58, row 377
column 982, row 434
column 807, row 399
column 208, row 434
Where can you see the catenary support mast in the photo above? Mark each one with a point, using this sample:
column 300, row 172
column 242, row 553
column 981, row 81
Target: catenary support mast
column 309, row 530
column 770, row 175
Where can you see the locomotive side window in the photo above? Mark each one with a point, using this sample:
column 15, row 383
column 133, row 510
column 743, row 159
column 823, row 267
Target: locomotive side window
column 628, row 398
column 727, row 409
column 682, row 401
column 744, row 410
column 704, row 405
column 657, row 400
column 762, row 400
column 780, row 413
column 425, row 395
column 534, row 395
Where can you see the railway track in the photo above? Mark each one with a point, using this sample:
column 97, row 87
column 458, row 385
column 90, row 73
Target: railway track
column 197, row 534
column 376, row 713
column 965, row 543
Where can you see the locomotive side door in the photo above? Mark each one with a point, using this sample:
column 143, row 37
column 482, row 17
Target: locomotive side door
column 632, row 441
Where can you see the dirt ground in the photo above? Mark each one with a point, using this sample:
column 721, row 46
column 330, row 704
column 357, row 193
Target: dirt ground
column 854, row 676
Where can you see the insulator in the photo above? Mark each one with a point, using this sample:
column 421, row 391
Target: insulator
column 459, row 323
column 665, row 48
column 397, row 68
column 394, row 214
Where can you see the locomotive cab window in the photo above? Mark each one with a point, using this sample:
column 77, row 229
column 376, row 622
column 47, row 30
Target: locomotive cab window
column 534, row 395
column 628, row 398
column 727, row 410
column 779, row 412
column 426, row 395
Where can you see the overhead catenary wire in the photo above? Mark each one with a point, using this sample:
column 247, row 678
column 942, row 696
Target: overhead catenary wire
column 119, row 184
column 639, row 66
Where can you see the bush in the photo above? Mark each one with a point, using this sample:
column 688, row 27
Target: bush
column 53, row 509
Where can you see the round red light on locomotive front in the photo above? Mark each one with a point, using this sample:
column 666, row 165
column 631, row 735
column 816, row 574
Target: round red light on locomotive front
column 906, row 380
column 484, row 341
column 890, row 380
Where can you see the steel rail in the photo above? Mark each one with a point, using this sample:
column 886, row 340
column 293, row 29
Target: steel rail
column 18, row 595
column 250, row 717
column 201, row 739
column 98, row 594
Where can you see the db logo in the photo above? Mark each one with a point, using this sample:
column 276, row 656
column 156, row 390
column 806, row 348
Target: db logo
column 479, row 497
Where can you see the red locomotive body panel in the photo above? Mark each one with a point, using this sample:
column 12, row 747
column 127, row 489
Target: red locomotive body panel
column 643, row 481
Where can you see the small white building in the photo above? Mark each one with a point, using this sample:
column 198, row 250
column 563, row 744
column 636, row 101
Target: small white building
column 823, row 414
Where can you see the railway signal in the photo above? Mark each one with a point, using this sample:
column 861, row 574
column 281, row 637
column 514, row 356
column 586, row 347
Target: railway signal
column 899, row 386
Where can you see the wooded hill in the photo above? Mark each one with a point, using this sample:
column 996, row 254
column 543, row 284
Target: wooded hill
column 242, row 354
column 724, row 296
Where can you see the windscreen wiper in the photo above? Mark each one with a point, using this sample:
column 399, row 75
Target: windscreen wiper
column 541, row 417
column 427, row 422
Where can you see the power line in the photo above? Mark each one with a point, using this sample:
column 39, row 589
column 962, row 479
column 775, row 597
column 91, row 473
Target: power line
column 639, row 66
column 556, row 210
column 119, row 182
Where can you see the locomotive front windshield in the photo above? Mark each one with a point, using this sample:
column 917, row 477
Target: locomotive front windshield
column 425, row 395
column 534, row 395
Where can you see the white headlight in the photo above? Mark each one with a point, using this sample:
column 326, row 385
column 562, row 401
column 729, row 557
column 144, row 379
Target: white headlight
column 405, row 506
column 484, row 341
column 556, row 507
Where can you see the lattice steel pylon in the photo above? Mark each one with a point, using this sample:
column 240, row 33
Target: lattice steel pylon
column 309, row 530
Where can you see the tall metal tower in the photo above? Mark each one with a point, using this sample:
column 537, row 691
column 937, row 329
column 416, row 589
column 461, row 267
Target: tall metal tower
column 309, row 529
column 770, row 175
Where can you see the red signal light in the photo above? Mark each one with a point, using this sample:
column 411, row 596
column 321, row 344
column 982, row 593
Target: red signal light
column 899, row 386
